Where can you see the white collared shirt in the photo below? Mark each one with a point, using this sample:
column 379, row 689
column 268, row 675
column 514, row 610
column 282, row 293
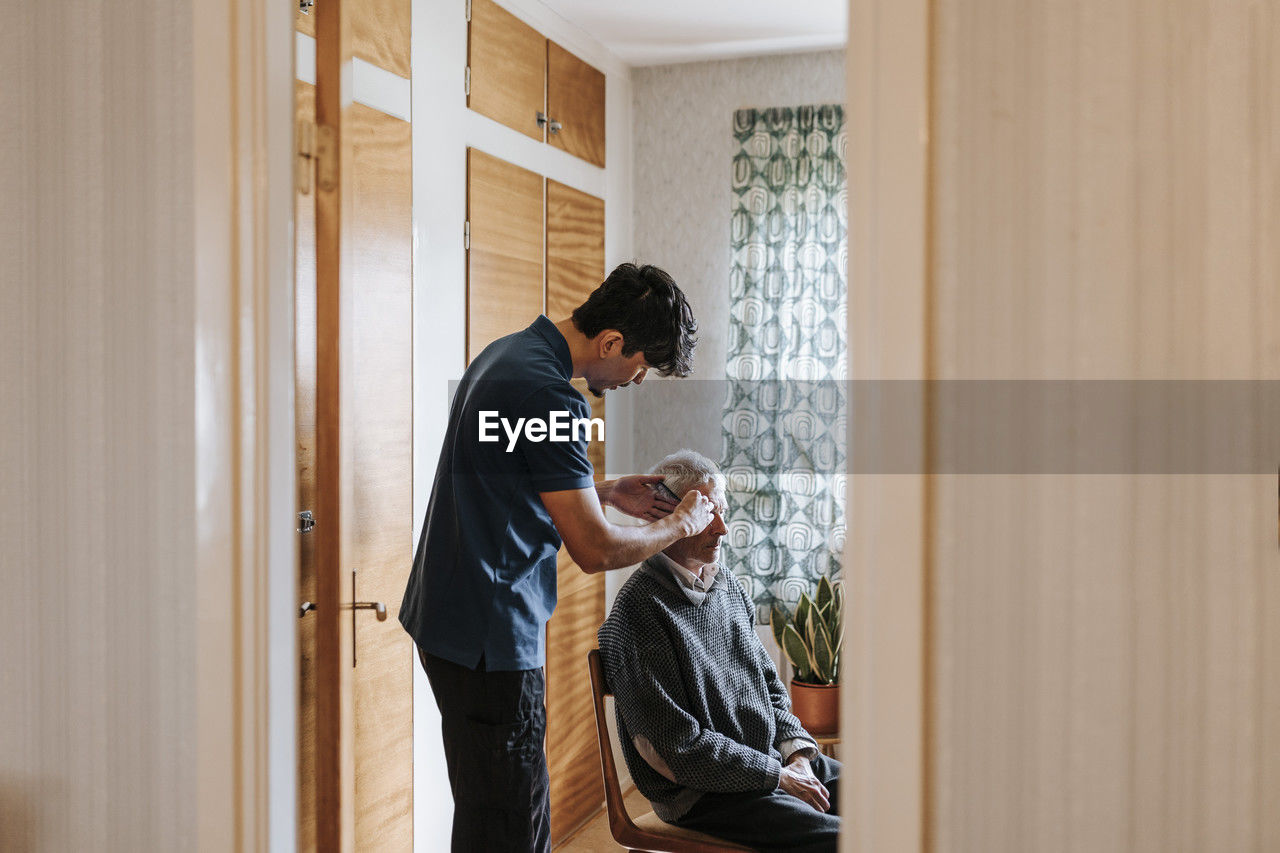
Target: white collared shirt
column 695, row 587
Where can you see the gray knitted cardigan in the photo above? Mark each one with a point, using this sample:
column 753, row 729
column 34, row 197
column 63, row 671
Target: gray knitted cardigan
column 694, row 680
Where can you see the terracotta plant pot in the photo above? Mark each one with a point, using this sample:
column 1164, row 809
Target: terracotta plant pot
column 817, row 706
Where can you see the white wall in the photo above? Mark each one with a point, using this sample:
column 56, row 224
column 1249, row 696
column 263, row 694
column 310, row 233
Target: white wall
column 444, row 128
column 683, row 115
column 683, row 150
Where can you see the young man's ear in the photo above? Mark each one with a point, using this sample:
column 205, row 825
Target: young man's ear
column 609, row 342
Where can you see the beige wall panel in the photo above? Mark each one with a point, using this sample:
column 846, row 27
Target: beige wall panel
column 505, row 262
column 1103, row 651
column 508, row 61
column 575, row 98
column 99, row 677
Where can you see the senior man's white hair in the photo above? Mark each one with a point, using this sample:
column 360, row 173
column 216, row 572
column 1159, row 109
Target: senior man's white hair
column 687, row 469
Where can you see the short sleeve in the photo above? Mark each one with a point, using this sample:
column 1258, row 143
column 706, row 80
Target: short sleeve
column 559, row 461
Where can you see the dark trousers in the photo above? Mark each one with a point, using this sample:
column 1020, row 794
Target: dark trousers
column 494, row 724
column 772, row 821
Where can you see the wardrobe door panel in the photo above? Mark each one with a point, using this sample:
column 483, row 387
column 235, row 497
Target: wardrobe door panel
column 508, row 61
column 575, row 98
column 505, row 261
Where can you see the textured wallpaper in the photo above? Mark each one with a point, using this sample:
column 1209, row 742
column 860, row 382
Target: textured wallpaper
column 683, row 148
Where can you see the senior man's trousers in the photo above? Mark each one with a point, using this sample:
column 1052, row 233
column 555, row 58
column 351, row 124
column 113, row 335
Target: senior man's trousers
column 493, row 725
column 772, row 821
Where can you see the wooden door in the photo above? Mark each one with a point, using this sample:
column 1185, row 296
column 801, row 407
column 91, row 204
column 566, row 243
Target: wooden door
column 506, row 67
column 505, row 249
column 354, row 398
column 575, row 267
column 575, row 100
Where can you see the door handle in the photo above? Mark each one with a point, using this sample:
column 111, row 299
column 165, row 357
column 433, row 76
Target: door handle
column 376, row 606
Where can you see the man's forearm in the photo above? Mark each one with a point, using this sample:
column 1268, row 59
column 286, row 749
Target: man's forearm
column 622, row 546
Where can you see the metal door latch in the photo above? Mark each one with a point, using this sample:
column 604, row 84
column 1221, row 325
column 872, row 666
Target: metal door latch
column 306, row 521
column 376, row 606
column 549, row 123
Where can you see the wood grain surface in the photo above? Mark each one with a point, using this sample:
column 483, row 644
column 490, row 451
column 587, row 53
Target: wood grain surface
column 305, row 431
column 575, row 248
column 508, row 61
column 378, row 425
column 577, row 788
column 576, row 99
column 379, row 33
column 505, row 262
column 334, row 741
column 380, row 429
column 575, row 267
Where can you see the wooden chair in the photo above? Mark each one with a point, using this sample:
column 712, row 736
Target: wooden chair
column 647, row 833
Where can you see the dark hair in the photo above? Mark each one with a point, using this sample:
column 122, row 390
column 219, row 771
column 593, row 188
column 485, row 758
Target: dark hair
column 646, row 306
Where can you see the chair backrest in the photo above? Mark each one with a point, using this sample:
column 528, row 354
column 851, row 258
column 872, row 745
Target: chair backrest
column 619, row 820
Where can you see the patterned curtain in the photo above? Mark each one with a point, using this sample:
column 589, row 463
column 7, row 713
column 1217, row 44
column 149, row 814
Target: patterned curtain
column 784, row 422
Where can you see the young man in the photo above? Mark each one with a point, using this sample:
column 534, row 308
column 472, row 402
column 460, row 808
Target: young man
column 508, row 490
column 705, row 723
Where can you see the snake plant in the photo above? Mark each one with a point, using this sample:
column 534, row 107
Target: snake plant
column 811, row 634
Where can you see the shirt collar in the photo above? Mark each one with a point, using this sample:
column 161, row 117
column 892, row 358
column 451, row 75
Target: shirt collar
column 694, row 587
column 559, row 345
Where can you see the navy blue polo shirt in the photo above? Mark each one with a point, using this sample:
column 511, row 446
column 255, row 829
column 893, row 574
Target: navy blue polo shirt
column 484, row 576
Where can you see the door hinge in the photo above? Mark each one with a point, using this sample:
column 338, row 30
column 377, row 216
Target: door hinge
column 326, row 158
column 467, row 84
column 468, row 11
column 304, row 6
column 305, row 137
column 466, row 235
column 306, row 521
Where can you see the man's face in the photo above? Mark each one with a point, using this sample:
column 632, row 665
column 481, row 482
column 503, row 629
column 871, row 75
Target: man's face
column 702, row 548
column 616, row 371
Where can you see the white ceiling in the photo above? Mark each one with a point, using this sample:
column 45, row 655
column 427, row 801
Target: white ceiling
column 658, row 32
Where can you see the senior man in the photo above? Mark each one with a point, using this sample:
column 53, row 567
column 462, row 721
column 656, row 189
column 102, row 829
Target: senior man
column 705, row 723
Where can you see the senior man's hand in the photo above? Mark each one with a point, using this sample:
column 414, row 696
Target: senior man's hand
column 637, row 497
column 798, row 780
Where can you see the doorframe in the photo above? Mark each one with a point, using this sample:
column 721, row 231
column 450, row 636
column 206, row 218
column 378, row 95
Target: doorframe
column 885, row 711
column 242, row 198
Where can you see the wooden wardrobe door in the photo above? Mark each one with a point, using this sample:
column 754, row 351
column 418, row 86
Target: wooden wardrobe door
column 505, row 259
column 575, row 98
column 380, row 431
column 507, row 58
column 379, row 33
column 353, row 397
column 575, row 267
